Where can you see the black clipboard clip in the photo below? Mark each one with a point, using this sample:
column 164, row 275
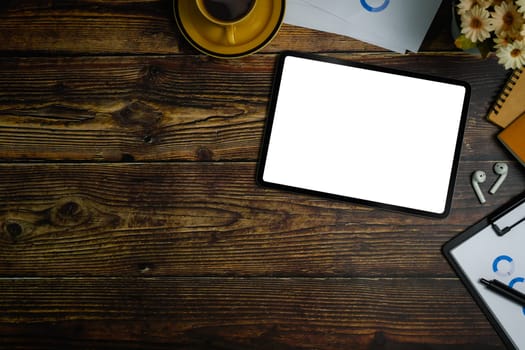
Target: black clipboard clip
column 502, row 231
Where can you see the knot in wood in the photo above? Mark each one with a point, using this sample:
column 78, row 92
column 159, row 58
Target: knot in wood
column 151, row 75
column 138, row 114
column 204, row 154
column 14, row 230
column 17, row 230
column 69, row 209
column 69, row 212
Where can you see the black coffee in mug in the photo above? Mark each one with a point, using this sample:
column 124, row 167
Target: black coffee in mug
column 228, row 10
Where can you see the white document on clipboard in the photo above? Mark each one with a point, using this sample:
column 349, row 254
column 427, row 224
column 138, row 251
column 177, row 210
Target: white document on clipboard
column 398, row 25
column 495, row 249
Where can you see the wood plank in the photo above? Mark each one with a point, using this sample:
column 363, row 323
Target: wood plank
column 88, row 27
column 202, row 219
column 189, row 108
column 145, row 27
column 238, row 313
column 138, row 27
column 130, row 217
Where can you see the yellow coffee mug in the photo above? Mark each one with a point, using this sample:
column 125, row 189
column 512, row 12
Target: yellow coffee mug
column 226, row 13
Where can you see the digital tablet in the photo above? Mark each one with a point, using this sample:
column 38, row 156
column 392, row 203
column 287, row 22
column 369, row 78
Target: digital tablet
column 363, row 133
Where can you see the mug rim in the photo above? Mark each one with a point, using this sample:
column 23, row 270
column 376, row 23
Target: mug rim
column 183, row 10
column 204, row 11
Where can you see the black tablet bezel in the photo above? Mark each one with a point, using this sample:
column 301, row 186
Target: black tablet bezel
column 272, row 109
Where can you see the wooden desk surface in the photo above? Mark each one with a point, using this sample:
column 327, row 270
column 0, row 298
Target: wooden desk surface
column 130, row 217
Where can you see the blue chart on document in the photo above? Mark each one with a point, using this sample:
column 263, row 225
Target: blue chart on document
column 370, row 5
column 504, row 268
column 395, row 25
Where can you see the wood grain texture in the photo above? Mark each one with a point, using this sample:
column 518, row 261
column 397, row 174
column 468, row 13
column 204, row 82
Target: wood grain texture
column 145, row 27
column 130, row 217
column 209, row 219
column 236, row 313
column 157, row 108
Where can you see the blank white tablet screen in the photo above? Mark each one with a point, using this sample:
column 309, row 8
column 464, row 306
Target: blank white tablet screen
column 364, row 134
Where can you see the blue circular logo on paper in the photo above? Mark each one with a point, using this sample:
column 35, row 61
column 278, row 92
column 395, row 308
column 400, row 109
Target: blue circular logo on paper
column 513, row 282
column 503, row 265
column 371, row 8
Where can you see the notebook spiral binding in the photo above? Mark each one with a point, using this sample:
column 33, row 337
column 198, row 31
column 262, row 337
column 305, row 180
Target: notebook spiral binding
column 509, row 85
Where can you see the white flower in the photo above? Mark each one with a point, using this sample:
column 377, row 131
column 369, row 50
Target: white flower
column 512, row 56
column 475, row 24
column 465, row 5
column 521, row 5
column 495, row 25
column 501, row 42
column 506, row 20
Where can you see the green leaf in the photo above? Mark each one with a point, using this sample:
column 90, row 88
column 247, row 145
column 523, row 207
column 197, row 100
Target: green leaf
column 462, row 42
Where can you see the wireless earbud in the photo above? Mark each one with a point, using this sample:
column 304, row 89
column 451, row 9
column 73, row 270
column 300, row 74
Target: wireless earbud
column 479, row 177
column 501, row 169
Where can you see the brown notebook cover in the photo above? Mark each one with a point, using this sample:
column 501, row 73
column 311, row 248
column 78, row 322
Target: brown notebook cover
column 511, row 101
column 513, row 137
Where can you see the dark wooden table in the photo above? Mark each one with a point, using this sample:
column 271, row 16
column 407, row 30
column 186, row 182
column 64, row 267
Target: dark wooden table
column 130, row 217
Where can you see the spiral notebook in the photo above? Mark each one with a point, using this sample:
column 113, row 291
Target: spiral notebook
column 509, row 105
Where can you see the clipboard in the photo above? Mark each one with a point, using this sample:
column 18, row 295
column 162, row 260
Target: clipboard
column 494, row 248
column 362, row 133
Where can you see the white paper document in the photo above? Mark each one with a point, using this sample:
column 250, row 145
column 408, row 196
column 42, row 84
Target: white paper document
column 397, row 25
